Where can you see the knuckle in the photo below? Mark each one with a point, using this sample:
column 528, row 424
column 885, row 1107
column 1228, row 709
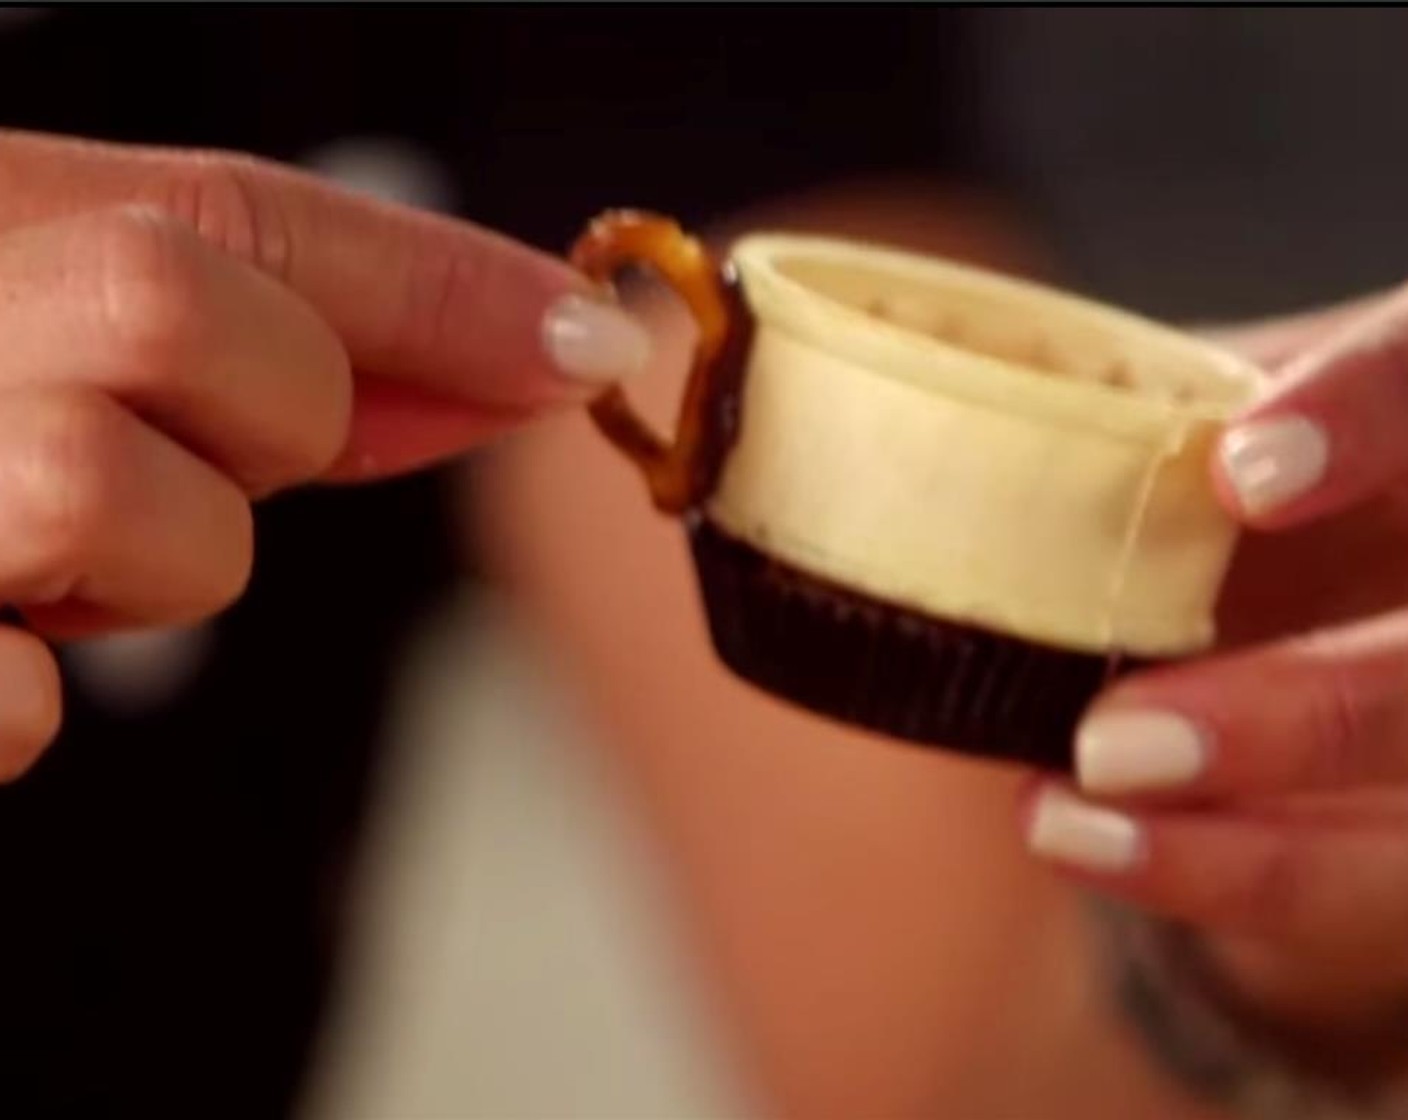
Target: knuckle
column 226, row 198
column 439, row 281
column 1340, row 718
column 1271, row 897
column 75, row 441
column 1276, row 886
column 151, row 293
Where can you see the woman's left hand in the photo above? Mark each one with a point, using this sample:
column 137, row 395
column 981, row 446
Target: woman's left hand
column 1261, row 793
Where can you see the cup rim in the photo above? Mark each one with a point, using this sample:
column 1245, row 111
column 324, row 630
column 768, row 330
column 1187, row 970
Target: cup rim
column 937, row 366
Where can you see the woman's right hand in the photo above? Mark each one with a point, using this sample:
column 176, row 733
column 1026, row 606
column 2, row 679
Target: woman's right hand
column 186, row 333
column 1261, row 792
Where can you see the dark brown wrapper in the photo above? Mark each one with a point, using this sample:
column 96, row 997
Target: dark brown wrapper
column 905, row 675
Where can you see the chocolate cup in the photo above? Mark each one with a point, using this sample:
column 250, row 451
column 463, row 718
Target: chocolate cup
column 908, row 676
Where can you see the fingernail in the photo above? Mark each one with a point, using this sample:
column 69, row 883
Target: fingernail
column 1067, row 830
column 594, row 341
column 1122, row 752
column 1270, row 462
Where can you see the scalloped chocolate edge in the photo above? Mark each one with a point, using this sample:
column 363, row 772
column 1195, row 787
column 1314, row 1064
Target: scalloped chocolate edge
column 910, row 677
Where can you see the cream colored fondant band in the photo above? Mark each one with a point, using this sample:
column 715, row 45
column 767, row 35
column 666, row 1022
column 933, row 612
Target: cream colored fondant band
column 952, row 480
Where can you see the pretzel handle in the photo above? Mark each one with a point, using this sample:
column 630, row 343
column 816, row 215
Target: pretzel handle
column 615, row 240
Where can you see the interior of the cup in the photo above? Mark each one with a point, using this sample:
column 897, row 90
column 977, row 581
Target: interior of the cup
column 1025, row 326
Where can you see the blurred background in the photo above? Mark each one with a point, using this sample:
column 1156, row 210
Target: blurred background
column 454, row 816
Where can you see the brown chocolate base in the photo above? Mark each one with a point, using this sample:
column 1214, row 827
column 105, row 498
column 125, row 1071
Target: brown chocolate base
column 905, row 675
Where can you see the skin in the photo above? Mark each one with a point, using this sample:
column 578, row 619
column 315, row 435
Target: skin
column 190, row 332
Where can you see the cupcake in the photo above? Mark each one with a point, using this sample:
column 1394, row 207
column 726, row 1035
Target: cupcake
column 929, row 501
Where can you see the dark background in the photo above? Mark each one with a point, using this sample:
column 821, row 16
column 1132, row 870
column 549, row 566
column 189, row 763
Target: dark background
column 173, row 877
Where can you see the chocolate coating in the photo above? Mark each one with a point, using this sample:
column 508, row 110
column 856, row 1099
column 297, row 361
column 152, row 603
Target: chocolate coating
column 906, row 675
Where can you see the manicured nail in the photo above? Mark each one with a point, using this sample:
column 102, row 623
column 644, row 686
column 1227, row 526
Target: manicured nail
column 1128, row 751
column 1270, row 462
column 1067, row 830
column 590, row 340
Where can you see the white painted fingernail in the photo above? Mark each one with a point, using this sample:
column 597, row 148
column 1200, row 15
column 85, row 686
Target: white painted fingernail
column 1270, row 462
column 590, row 340
column 1127, row 751
column 1068, row 830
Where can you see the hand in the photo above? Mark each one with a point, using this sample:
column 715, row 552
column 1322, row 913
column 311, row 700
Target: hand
column 1261, row 793
column 186, row 333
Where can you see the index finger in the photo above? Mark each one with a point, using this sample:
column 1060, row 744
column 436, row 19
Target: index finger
column 427, row 301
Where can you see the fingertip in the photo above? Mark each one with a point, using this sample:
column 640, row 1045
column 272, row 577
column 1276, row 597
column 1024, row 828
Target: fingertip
column 1071, row 832
column 1225, row 491
column 1267, row 469
column 1126, row 749
column 594, row 341
column 31, row 705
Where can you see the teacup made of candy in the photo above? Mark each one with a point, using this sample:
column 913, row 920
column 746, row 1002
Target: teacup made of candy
column 928, row 500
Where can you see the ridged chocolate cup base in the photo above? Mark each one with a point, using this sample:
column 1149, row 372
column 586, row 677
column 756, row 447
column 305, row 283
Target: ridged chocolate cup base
column 909, row 676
